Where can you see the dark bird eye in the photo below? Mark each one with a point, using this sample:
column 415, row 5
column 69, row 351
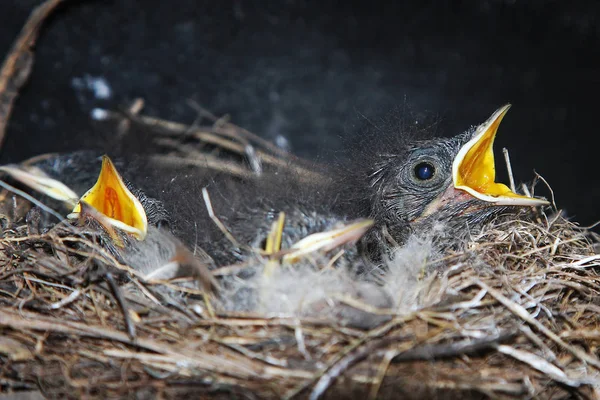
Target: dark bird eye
column 163, row 224
column 424, row 171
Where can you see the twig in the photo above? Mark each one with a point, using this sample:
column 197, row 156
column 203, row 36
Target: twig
column 339, row 367
column 549, row 188
column 338, row 358
column 381, row 371
column 217, row 221
column 511, row 178
column 522, row 313
column 134, row 109
column 67, row 300
column 31, row 199
column 233, row 366
column 241, row 131
column 17, row 65
column 122, row 304
column 206, row 161
column 443, row 350
column 224, row 139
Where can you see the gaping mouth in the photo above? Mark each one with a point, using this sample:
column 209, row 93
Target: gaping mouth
column 474, row 170
column 111, row 197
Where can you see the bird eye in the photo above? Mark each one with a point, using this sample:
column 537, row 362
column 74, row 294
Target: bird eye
column 163, row 224
column 424, row 171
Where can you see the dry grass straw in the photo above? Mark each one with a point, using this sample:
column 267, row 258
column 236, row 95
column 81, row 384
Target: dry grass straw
column 210, row 142
column 513, row 315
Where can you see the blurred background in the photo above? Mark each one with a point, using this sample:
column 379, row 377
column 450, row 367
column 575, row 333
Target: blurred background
column 305, row 74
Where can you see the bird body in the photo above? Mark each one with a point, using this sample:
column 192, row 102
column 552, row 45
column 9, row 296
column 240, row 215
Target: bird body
column 403, row 183
column 167, row 222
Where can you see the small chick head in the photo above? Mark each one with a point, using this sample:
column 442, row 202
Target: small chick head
column 118, row 206
column 444, row 179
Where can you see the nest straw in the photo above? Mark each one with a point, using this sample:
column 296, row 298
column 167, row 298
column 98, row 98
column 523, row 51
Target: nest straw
column 514, row 314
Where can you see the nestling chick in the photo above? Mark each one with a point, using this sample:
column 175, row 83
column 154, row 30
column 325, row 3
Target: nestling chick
column 403, row 188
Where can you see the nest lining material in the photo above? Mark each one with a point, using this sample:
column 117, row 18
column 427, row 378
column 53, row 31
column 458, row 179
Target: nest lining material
column 513, row 315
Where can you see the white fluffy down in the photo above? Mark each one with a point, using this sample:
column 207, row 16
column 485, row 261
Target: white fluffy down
column 303, row 290
column 314, row 288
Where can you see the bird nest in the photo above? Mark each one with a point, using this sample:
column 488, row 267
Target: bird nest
column 512, row 315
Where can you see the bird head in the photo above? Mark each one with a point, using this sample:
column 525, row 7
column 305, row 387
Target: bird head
column 445, row 179
column 111, row 197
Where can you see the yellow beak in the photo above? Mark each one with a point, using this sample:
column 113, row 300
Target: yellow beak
column 325, row 241
column 111, row 197
column 36, row 179
column 474, row 170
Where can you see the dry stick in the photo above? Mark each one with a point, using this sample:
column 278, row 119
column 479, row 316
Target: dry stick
column 205, row 135
column 134, row 109
column 232, row 366
column 202, row 135
column 433, row 352
column 191, row 153
column 75, row 294
column 217, row 221
column 540, row 364
column 219, row 138
column 381, row 371
column 114, row 287
column 353, row 351
column 326, row 380
column 522, row 313
column 549, row 188
column 31, row 199
column 511, row 179
column 206, row 162
column 17, row 65
column 241, row 131
column 463, row 347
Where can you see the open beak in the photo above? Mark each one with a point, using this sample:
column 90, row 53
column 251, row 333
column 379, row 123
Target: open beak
column 326, row 241
column 474, row 170
column 37, row 180
column 111, row 197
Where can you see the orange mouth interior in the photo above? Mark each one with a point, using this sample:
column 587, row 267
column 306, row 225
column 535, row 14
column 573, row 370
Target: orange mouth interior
column 474, row 169
column 112, row 198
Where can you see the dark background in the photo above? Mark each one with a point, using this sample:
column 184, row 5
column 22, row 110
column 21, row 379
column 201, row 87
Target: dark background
column 308, row 72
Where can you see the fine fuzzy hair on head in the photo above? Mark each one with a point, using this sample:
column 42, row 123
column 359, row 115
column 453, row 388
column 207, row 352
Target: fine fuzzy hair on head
column 245, row 206
column 381, row 136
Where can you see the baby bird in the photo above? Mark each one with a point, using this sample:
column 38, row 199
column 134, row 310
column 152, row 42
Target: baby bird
column 396, row 185
column 407, row 184
column 402, row 184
